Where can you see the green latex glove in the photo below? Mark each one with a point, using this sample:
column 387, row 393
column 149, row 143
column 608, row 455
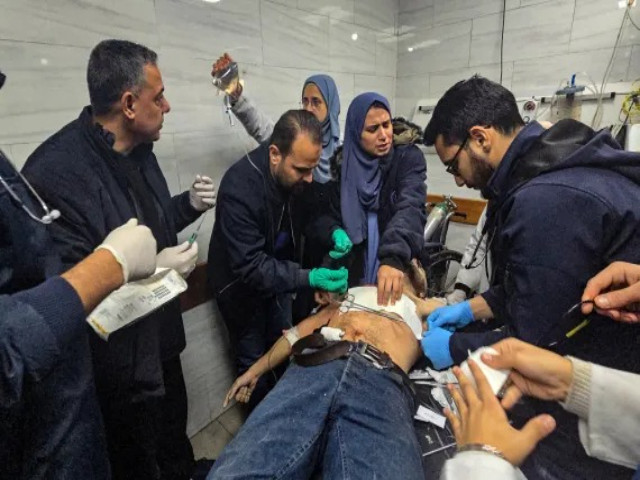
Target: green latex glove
column 329, row 280
column 341, row 244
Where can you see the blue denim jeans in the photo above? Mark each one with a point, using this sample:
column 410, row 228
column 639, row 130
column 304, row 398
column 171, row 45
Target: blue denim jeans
column 346, row 419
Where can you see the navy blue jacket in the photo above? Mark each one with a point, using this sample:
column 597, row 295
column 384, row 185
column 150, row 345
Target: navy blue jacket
column 401, row 211
column 248, row 211
column 50, row 423
column 76, row 172
column 563, row 204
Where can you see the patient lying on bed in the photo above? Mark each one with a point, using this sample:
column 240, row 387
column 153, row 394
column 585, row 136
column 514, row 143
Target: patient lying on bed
column 349, row 417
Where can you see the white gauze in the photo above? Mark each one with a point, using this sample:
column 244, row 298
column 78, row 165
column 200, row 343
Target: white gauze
column 405, row 307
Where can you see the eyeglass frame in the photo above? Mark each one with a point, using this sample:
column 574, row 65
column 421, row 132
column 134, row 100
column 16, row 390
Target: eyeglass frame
column 451, row 166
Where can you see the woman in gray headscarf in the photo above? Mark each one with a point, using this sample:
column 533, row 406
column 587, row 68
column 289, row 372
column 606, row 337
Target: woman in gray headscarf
column 319, row 96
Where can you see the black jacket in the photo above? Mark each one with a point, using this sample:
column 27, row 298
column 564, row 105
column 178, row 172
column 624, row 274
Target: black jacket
column 249, row 208
column 401, row 213
column 563, row 204
column 76, row 171
column 50, row 423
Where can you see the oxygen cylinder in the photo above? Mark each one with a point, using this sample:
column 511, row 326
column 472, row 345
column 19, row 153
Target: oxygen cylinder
column 438, row 213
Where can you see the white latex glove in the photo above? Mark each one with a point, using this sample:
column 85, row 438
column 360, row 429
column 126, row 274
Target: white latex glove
column 202, row 194
column 181, row 258
column 134, row 247
column 455, row 297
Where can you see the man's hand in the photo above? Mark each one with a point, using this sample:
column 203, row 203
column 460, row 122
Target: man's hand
column 242, row 388
column 435, row 346
column 329, row 280
column 341, row 244
column 483, row 421
column 424, row 306
column 219, row 66
column 534, row 371
column 202, row 194
column 451, row 317
column 321, row 297
column 621, row 281
column 133, row 247
column 390, row 283
column 181, row 258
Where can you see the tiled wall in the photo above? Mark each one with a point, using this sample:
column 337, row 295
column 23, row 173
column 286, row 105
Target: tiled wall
column 45, row 45
column 545, row 41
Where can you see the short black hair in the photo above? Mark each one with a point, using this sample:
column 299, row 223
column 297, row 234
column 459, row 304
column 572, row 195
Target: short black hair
column 116, row 66
column 476, row 101
column 292, row 123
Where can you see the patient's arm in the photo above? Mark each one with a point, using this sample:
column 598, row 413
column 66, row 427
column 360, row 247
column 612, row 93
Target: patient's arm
column 243, row 387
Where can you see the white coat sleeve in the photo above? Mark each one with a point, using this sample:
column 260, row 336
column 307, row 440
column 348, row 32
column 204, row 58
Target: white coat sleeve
column 608, row 404
column 256, row 123
column 479, row 466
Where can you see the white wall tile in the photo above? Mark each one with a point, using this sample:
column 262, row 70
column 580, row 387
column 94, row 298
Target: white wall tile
column 435, row 49
column 287, row 3
column 538, row 31
column 386, row 54
column 452, row 11
column 79, row 22
column 377, row 14
column 413, row 5
column 19, row 152
column 291, row 37
column 165, row 152
column 596, row 24
column 414, row 22
column 195, row 29
column 376, row 83
column 634, row 65
column 348, row 55
column 335, row 9
column 408, row 91
column 207, row 365
column 45, row 89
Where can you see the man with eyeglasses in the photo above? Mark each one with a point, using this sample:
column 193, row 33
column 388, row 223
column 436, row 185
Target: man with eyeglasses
column 50, row 424
column 563, row 203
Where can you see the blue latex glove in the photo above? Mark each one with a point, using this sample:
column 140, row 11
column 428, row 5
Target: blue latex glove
column 451, row 317
column 435, row 345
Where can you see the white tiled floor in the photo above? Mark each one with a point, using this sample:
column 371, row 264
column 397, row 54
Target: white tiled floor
column 211, row 440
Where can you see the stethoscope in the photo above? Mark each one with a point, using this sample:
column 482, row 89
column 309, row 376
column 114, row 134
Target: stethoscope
column 49, row 215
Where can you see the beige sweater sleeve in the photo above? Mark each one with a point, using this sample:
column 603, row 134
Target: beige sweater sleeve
column 608, row 404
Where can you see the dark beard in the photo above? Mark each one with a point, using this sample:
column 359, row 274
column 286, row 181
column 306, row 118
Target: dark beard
column 482, row 172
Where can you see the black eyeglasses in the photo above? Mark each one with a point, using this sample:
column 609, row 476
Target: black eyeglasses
column 452, row 165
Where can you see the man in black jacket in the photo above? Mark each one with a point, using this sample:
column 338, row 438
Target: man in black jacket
column 263, row 208
column 99, row 171
column 564, row 202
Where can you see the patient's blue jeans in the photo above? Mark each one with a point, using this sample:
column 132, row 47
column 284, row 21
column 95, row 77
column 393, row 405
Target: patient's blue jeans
column 346, row 419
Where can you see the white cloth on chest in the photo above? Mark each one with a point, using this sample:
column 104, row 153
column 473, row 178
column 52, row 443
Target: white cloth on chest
column 405, row 307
